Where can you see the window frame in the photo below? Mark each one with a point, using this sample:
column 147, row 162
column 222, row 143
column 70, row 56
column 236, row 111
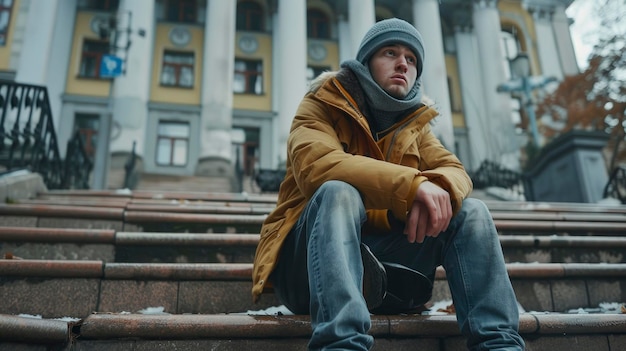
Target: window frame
column 4, row 33
column 248, row 73
column 249, row 10
column 95, row 55
column 178, row 68
column 181, row 9
column 88, row 133
column 316, row 21
column 172, row 144
column 100, row 5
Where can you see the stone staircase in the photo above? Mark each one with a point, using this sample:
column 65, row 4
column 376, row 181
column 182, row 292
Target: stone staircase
column 163, row 270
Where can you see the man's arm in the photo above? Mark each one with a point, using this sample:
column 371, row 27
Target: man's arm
column 430, row 213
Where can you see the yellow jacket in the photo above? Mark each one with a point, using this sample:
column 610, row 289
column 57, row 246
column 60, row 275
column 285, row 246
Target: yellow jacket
column 330, row 139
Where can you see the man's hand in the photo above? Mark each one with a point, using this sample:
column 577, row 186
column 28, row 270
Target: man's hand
column 430, row 213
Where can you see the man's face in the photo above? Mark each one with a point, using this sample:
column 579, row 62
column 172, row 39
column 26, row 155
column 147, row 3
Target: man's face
column 394, row 68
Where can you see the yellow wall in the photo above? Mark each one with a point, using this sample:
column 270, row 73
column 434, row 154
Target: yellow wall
column 177, row 95
column 456, row 102
column 264, row 53
column 75, row 84
column 514, row 7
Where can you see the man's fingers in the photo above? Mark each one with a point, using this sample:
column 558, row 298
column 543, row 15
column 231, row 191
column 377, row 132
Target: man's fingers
column 423, row 226
column 410, row 228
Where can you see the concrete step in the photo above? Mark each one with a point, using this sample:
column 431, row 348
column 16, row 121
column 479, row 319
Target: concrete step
column 42, row 287
column 160, row 195
column 148, row 182
column 160, row 247
column 206, row 220
column 235, row 332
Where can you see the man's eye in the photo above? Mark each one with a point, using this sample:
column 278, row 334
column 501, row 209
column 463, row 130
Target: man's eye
column 411, row 59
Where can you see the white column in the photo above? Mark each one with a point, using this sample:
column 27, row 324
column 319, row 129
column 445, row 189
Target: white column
column 563, row 39
column 435, row 77
column 362, row 16
column 131, row 89
column 217, row 81
column 345, row 40
column 486, row 22
column 292, row 55
column 276, row 145
column 547, row 49
column 473, row 99
column 46, row 49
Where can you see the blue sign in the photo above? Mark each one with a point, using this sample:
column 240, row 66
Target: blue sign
column 111, row 66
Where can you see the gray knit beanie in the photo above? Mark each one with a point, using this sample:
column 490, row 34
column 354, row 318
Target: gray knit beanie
column 391, row 31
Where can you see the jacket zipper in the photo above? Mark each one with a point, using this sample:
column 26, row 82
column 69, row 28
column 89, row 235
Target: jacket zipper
column 376, row 138
column 397, row 131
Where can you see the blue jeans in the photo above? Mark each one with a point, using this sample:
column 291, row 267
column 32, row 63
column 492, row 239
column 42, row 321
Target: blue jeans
column 320, row 272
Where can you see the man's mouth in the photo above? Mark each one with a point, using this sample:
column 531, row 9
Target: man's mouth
column 398, row 76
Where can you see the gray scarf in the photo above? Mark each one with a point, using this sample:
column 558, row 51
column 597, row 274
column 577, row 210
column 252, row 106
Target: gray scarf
column 385, row 109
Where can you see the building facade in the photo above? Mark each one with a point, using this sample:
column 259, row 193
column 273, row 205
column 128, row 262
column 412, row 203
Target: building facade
column 200, row 85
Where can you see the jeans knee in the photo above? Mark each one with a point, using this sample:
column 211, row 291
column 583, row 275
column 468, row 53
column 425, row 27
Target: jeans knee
column 475, row 220
column 474, row 208
column 342, row 194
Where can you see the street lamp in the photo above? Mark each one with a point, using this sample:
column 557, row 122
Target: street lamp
column 523, row 82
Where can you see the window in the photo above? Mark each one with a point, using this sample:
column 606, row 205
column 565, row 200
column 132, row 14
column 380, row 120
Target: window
column 88, row 125
column 91, row 58
column 510, row 47
column 177, row 69
column 248, row 77
column 313, row 71
column 249, row 16
column 182, row 11
column 172, row 143
column 250, row 150
column 99, row 5
column 317, row 25
column 5, row 20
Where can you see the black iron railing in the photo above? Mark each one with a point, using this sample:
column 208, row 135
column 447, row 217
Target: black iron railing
column 28, row 139
column 269, row 179
column 492, row 174
column 616, row 185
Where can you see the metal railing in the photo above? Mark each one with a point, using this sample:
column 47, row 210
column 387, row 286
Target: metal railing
column 616, row 185
column 28, row 139
column 269, row 179
column 491, row 174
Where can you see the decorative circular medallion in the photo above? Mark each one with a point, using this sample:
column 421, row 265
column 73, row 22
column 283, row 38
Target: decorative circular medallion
column 98, row 22
column 248, row 44
column 180, row 36
column 317, row 51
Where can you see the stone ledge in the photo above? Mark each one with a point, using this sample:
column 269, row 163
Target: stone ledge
column 241, row 326
column 21, row 185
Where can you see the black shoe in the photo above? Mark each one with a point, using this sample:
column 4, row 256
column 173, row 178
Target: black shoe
column 407, row 290
column 374, row 279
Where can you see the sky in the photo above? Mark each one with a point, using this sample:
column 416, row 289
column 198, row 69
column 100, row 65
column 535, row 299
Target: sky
column 582, row 30
column 586, row 25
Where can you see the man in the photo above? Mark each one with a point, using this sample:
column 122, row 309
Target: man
column 368, row 182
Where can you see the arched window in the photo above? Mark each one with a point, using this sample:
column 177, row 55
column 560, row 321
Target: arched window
column 318, row 25
column 249, row 16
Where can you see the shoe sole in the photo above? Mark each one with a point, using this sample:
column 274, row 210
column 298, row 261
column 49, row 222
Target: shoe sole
column 374, row 279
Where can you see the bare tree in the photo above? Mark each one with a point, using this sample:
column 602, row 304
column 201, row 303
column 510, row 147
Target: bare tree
column 596, row 98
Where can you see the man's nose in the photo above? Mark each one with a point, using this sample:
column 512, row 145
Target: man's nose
column 402, row 65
